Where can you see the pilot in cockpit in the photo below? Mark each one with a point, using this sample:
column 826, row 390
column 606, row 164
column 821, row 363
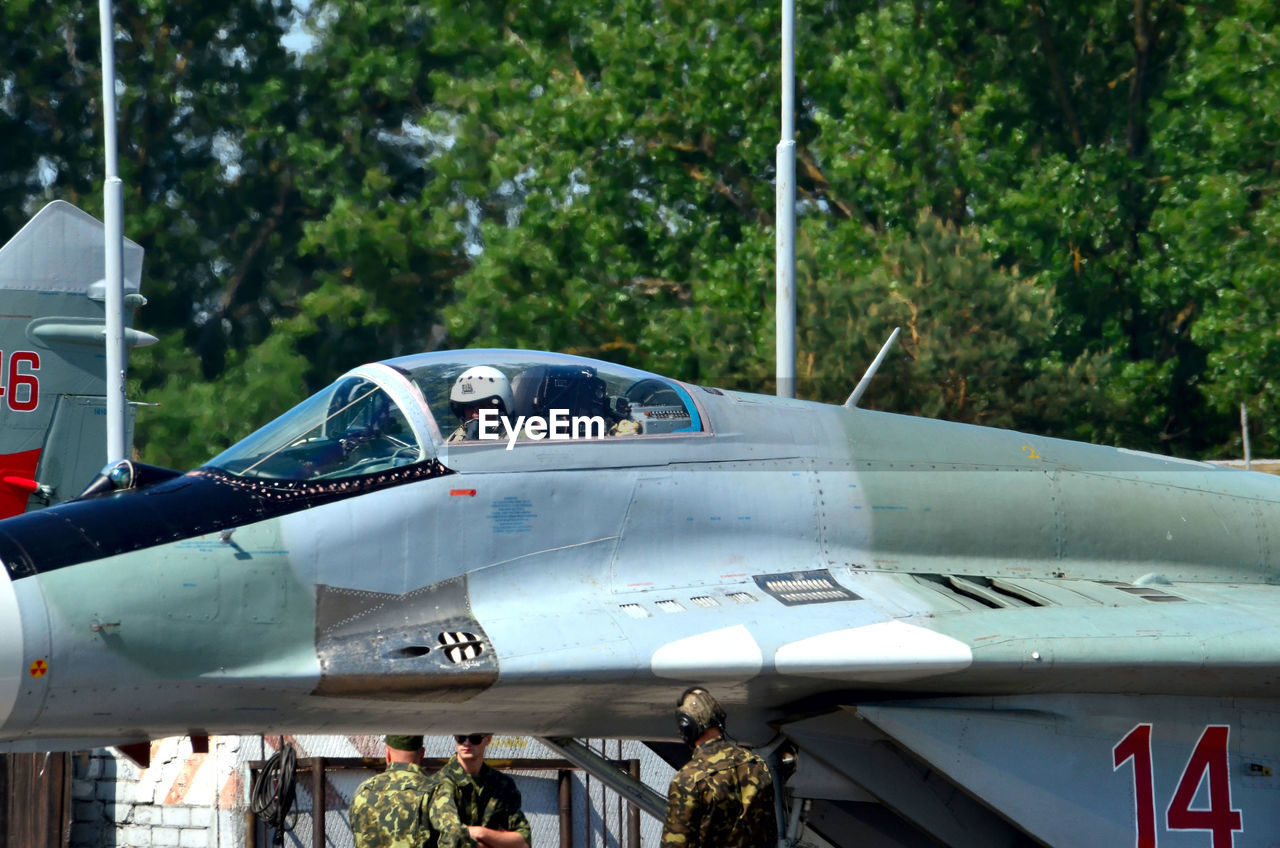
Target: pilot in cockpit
column 476, row 389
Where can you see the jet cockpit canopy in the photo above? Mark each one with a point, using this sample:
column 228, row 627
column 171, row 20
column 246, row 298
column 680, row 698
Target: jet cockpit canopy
column 592, row 399
column 369, row 420
column 395, row 413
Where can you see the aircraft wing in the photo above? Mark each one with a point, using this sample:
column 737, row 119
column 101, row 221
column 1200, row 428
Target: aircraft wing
column 1074, row 712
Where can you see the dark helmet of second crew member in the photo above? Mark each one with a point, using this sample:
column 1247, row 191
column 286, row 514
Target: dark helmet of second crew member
column 574, row 388
column 696, row 713
column 481, row 386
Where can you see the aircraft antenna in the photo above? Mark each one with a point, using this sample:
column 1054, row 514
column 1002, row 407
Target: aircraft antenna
column 860, row 389
column 785, row 226
column 113, row 220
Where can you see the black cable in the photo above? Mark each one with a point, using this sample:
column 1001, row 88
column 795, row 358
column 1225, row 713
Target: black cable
column 275, row 790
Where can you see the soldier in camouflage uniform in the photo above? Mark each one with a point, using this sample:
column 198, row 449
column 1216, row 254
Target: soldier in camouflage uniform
column 723, row 797
column 474, row 804
column 389, row 810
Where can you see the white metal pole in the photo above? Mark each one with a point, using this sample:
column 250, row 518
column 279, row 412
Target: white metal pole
column 1244, row 432
column 785, row 201
column 113, row 219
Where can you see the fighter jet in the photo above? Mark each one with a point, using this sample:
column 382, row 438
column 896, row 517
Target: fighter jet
column 52, row 363
column 971, row 637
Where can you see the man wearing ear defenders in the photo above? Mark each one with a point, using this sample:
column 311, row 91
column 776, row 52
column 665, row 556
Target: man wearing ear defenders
column 722, row 797
column 473, row 804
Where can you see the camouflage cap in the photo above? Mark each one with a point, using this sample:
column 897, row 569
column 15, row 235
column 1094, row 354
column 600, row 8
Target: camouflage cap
column 404, row 743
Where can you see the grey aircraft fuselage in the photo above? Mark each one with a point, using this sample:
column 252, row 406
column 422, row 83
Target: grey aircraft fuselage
column 837, row 576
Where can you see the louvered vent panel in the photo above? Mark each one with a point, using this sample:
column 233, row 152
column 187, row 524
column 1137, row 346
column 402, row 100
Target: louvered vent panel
column 460, row 647
column 797, row 588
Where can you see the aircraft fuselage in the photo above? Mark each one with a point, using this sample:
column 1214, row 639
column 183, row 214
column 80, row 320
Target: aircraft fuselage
column 796, row 557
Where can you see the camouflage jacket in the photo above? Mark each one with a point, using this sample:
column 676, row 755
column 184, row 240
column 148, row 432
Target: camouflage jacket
column 722, row 798
column 489, row 799
column 389, row 810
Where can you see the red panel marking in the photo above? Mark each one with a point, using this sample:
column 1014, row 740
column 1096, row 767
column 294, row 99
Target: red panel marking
column 466, row 493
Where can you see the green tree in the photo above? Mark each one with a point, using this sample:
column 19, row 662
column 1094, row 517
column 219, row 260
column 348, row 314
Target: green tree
column 976, row 338
column 1081, row 191
column 644, row 232
column 1219, row 131
column 200, row 88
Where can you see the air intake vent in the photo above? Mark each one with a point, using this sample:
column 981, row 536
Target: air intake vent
column 460, row 647
column 804, row 587
column 634, row 610
column 670, row 606
column 990, row 593
column 408, row 652
column 1147, row 593
column 975, row 591
column 704, row 601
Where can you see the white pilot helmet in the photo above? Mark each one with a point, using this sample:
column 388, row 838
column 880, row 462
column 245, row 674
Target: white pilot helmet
column 482, row 385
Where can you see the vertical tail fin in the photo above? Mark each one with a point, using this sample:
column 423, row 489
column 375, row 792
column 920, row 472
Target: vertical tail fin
column 52, row 355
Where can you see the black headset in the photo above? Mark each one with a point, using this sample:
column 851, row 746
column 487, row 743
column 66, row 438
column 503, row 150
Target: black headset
column 690, row 728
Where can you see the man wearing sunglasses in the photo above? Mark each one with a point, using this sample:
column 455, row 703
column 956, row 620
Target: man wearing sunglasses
column 473, row 804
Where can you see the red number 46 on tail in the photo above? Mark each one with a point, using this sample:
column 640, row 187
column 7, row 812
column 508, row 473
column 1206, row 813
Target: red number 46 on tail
column 21, row 387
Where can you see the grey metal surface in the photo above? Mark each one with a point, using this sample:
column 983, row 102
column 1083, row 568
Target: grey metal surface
column 1002, row 610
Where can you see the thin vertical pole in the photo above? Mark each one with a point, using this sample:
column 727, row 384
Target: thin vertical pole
column 317, row 802
column 633, row 812
column 785, row 226
column 566, row 808
column 113, row 220
column 1244, row 429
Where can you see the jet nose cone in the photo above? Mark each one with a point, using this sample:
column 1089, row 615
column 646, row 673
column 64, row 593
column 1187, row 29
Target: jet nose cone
column 10, row 646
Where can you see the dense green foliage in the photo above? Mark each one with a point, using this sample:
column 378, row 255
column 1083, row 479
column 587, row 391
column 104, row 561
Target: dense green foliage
column 1070, row 209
